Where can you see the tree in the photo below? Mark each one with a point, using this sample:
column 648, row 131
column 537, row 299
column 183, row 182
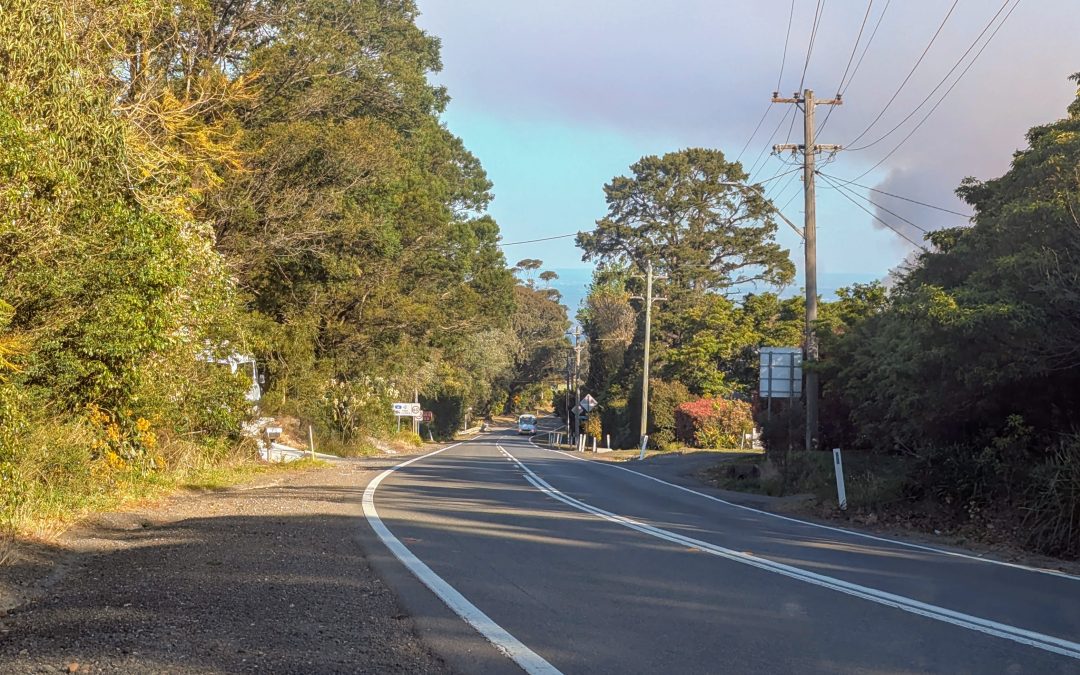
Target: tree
column 681, row 212
column 971, row 365
column 547, row 276
column 528, row 266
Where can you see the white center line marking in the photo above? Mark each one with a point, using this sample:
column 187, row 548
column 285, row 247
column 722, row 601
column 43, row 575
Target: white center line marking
column 1030, row 638
column 530, row 661
column 820, row 526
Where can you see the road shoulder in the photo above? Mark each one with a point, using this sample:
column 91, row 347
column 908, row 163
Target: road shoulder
column 271, row 575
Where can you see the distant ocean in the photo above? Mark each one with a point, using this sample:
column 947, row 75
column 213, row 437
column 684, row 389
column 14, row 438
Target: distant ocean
column 573, row 283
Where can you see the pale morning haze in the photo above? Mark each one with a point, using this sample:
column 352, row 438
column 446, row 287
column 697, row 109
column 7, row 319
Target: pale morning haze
column 557, row 98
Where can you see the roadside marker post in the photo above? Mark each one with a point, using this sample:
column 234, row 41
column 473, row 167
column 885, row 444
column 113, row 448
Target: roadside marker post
column 644, row 444
column 841, row 493
column 311, row 441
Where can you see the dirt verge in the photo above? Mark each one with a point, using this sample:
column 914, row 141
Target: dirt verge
column 265, row 576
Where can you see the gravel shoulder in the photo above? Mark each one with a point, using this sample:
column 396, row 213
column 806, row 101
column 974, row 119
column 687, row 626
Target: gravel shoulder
column 268, row 576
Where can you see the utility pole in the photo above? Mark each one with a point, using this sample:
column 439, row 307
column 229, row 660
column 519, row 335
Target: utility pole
column 577, row 334
column 809, row 148
column 566, row 399
column 649, row 300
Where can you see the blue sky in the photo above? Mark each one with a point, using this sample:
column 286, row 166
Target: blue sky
column 557, row 98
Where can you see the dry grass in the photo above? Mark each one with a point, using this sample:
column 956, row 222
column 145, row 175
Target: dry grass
column 57, row 479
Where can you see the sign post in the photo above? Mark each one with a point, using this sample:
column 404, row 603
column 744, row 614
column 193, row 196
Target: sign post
column 841, row 493
column 585, row 405
column 644, row 444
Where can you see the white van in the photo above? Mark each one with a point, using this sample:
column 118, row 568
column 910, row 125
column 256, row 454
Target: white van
column 527, row 424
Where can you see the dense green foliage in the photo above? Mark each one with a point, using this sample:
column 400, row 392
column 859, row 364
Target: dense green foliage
column 972, row 365
column 181, row 180
column 709, row 240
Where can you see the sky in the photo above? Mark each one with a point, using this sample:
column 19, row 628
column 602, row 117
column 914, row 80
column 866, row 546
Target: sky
column 556, row 98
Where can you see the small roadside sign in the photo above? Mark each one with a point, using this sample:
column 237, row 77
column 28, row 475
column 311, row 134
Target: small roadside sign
column 578, row 410
column 407, row 409
column 427, row 416
column 588, row 403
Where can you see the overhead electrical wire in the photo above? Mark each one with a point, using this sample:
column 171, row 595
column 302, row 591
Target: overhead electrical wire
column 756, row 129
column 813, row 38
column 787, row 39
column 534, row 241
column 892, row 213
column 574, row 234
column 944, row 79
column 940, row 100
column 779, row 175
column 768, row 143
column 907, row 79
column 866, row 48
column 855, row 47
column 847, row 68
column 896, row 196
column 840, row 190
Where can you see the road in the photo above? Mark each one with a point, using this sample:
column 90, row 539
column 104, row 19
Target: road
column 578, row 566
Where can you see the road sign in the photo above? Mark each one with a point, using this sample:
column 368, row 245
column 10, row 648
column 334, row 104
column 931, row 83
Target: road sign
column 587, row 403
column 407, row 409
column 577, row 410
column 428, row 416
column 781, row 372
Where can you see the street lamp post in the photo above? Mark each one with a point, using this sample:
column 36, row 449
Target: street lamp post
column 809, row 338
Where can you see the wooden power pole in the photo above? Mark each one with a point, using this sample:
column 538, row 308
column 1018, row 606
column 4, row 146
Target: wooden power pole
column 649, row 300
column 577, row 334
column 809, row 149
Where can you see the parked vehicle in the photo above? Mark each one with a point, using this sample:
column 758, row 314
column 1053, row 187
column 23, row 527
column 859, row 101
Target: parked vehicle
column 527, row 425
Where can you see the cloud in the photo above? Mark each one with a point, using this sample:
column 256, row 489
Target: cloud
column 701, row 72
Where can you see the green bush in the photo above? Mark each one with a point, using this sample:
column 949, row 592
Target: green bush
column 664, row 398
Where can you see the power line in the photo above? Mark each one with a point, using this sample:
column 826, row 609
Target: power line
column 873, row 215
column 895, row 196
column 939, row 84
column 903, row 84
column 847, row 68
column 756, row 129
column 787, row 39
column 869, row 41
column 855, row 47
column 894, row 214
column 780, row 175
column 943, row 96
column 768, row 144
column 779, row 79
column 533, row 241
column 813, row 38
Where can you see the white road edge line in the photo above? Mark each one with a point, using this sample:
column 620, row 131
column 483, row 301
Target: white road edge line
column 1023, row 636
column 831, row 528
column 530, row 661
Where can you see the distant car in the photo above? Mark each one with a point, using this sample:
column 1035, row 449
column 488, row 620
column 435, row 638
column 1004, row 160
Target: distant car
column 527, row 424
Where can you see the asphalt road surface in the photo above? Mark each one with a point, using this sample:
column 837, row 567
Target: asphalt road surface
column 577, row 566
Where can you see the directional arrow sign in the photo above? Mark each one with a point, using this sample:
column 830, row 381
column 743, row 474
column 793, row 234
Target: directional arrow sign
column 588, row 403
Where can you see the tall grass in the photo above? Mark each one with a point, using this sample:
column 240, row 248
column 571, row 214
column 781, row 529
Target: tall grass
column 63, row 479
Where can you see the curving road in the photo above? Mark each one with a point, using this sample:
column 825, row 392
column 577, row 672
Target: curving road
column 576, row 566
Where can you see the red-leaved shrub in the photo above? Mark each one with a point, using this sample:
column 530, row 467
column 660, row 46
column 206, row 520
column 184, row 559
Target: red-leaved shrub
column 713, row 422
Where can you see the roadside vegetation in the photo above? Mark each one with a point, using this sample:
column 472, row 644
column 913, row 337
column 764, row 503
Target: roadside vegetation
column 184, row 181
column 953, row 392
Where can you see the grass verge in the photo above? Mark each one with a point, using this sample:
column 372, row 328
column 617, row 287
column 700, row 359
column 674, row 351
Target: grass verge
column 65, row 480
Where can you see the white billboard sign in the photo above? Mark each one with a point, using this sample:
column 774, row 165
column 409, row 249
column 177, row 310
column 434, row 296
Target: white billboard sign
column 781, row 372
